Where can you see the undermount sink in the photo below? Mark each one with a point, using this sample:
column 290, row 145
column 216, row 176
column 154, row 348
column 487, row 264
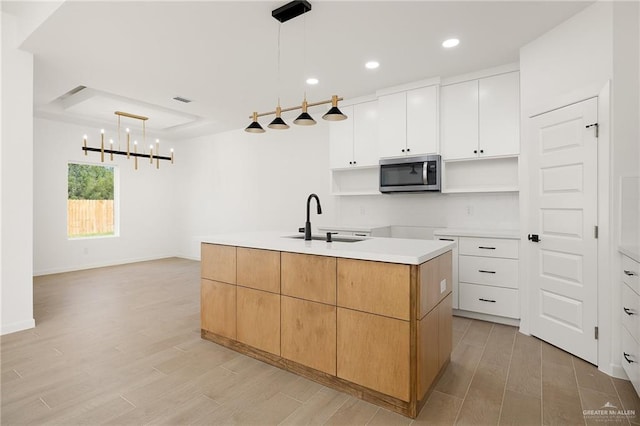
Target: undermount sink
column 334, row 238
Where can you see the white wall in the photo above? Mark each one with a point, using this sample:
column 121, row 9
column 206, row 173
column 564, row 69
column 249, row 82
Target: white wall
column 146, row 203
column 16, row 181
column 483, row 210
column 240, row 181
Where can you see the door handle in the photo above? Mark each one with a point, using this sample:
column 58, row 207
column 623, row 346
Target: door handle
column 626, row 357
column 628, row 311
column 629, row 273
column 534, row 238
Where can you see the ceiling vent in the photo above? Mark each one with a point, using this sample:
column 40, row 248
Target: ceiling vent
column 181, row 99
column 72, row 92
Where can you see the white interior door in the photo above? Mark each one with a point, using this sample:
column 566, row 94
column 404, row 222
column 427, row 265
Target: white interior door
column 563, row 199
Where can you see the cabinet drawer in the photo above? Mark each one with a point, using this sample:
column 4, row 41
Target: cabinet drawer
column 490, row 247
column 630, row 358
column 309, row 277
column 630, row 311
column 375, row 287
column 489, row 300
column 218, row 263
column 631, row 273
column 489, row 271
column 258, row 319
column 258, row 269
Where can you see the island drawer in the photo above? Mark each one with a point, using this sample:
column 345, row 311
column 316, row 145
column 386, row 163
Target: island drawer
column 376, row 287
column 630, row 357
column 309, row 277
column 490, row 247
column 489, row 271
column 631, row 273
column 259, row 269
column 489, row 300
column 218, row 263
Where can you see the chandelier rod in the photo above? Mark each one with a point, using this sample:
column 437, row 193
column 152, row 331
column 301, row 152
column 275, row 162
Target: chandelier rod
column 309, row 104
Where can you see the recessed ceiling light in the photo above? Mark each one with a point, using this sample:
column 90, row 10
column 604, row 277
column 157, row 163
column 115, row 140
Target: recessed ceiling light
column 452, row 42
column 372, row 65
column 312, row 81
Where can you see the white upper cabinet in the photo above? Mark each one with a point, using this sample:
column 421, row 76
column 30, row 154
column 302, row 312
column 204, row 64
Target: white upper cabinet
column 499, row 99
column 409, row 122
column 481, row 118
column 459, row 120
column 354, row 141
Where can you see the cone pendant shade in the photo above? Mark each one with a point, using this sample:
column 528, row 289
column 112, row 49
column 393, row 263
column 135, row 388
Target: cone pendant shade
column 334, row 114
column 278, row 122
column 254, row 127
column 304, row 119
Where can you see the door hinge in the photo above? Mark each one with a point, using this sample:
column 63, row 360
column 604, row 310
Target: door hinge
column 596, row 332
column 595, row 232
column 596, row 127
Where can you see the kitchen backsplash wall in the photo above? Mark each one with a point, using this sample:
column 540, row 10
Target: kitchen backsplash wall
column 468, row 210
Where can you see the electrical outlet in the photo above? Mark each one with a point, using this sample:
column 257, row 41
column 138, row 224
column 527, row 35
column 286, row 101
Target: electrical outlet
column 469, row 210
column 363, row 211
column 443, row 286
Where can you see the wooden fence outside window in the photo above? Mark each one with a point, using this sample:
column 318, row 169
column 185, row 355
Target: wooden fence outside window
column 90, row 218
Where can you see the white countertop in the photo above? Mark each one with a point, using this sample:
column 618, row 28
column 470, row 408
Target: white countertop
column 393, row 250
column 631, row 251
column 511, row 234
column 351, row 228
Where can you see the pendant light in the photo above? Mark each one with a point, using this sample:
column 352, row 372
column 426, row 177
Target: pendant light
column 278, row 122
column 254, row 127
column 334, row 114
column 304, row 119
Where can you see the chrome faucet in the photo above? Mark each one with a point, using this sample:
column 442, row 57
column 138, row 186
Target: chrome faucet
column 307, row 225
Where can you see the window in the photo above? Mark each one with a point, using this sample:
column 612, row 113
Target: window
column 90, row 201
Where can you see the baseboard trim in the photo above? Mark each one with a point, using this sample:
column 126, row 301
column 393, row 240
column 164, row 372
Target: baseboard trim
column 485, row 317
column 99, row 265
column 17, row 326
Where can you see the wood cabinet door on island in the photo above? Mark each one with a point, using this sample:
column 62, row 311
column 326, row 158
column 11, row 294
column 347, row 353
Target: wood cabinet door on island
column 309, row 333
column 258, row 319
column 373, row 351
column 218, row 308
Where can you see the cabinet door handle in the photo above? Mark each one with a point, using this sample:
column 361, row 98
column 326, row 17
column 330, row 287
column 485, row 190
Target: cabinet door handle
column 360, row 235
column 486, row 248
column 486, row 300
column 475, row 151
column 403, row 150
column 629, row 273
column 628, row 311
column 486, row 272
column 482, row 151
column 408, row 149
column 445, row 239
column 626, row 357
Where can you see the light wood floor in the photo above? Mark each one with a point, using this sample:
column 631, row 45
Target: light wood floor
column 121, row 345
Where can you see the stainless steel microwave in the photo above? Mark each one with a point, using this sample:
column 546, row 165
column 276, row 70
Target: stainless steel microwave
column 410, row 174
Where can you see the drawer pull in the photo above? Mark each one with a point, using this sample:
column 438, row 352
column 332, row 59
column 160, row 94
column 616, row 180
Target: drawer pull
column 445, row 239
column 486, row 272
column 626, row 357
column 360, row 235
column 486, row 248
column 628, row 311
column 629, row 273
column 486, row 300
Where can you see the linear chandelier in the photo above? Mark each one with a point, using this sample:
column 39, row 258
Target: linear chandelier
column 135, row 154
column 283, row 14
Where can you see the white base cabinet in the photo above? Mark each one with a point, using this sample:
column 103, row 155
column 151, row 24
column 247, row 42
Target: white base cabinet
column 631, row 320
column 485, row 273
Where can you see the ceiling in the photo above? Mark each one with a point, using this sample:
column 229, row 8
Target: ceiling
column 223, row 55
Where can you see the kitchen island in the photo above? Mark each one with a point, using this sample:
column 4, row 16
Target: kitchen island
column 370, row 317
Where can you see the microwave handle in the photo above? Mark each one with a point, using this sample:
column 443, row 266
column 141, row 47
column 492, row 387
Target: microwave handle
column 424, row 172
